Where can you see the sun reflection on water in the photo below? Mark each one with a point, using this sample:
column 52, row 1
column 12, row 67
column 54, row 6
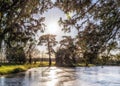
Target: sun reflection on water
column 53, row 77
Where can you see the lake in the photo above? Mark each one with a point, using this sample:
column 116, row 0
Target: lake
column 59, row 76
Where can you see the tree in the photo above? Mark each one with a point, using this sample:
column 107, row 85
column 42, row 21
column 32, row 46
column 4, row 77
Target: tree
column 17, row 19
column 18, row 24
column 36, row 55
column 16, row 55
column 97, row 23
column 117, row 57
column 66, row 54
column 30, row 49
column 49, row 41
column 68, row 42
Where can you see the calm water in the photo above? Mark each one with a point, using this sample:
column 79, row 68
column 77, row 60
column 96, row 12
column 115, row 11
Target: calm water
column 54, row 76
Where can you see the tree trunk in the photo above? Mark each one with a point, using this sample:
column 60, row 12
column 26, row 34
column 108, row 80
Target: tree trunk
column 73, row 58
column 30, row 59
column 90, row 57
column 50, row 61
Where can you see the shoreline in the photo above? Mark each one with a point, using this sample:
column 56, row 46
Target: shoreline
column 16, row 69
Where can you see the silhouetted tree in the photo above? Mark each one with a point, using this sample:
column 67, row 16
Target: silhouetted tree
column 18, row 23
column 49, row 40
column 16, row 55
column 66, row 54
column 30, row 49
column 97, row 23
column 117, row 57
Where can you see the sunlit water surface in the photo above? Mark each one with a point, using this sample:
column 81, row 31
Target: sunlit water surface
column 55, row 76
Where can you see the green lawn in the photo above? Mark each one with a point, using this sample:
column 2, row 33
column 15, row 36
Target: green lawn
column 84, row 65
column 8, row 69
column 5, row 69
column 13, row 68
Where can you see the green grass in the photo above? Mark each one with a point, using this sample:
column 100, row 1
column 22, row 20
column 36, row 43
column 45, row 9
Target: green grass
column 13, row 68
column 6, row 69
column 84, row 65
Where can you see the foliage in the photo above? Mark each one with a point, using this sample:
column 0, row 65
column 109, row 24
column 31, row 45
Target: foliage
column 97, row 23
column 67, row 53
column 11, row 69
column 16, row 55
column 49, row 40
column 17, row 70
column 18, row 22
column 117, row 57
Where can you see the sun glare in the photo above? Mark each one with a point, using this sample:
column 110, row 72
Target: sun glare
column 52, row 28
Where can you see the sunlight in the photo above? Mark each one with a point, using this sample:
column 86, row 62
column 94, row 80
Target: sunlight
column 53, row 77
column 52, row 73
column 52, row 28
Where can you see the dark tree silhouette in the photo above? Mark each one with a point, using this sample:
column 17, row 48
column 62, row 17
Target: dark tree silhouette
column 97, row 23
column 18, row 24
column 66, row 54
column 16, row 55
column 49, row 41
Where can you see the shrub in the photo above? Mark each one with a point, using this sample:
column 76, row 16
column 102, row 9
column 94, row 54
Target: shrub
column 17, row 70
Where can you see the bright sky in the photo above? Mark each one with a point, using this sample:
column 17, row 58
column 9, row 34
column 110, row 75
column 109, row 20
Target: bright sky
column 51, row 20
column 52, row 17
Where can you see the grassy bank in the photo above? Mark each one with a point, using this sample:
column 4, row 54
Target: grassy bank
column 14, row 68
column 84, row 65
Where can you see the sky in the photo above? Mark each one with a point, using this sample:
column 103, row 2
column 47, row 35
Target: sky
column 52, row 17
